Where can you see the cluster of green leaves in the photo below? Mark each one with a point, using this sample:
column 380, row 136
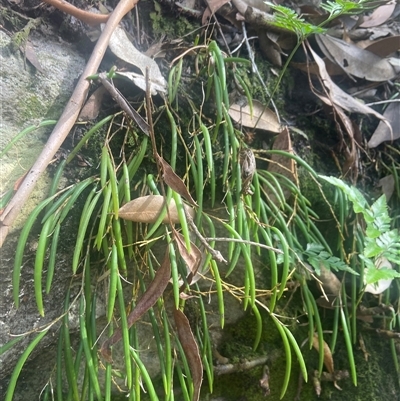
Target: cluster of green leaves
column 380, row 241
column 340, row 7
column 287, row 18
column 317, row 256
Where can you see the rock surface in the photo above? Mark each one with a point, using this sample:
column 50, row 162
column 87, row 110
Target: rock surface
column 29, row 97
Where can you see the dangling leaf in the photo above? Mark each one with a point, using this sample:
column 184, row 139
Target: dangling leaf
column 146, row 209
column 328, row 358
column 192, row 259
column 148, row 299
column 174, row 181
column 191, row 350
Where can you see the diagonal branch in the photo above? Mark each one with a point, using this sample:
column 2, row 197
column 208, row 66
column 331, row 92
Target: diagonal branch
column 65, row 123
column 85, row 16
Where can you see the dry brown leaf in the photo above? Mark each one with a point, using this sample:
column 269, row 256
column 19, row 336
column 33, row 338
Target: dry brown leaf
column 350, row 154
column 140, row 82
column 262, row 118
column 387, row 184
column 191, row 350
column 146, row 209
column 124, row 104
column 330, row 283
column 215, row 5
column 174, row 181
column 340, row 97
column 123, row 48
column 328, row 359
column 382, row 132
column 385, row 46
column 271, row 49
column 91, row 109
column 192, row 258
column 354, row 61
column 30, row 54
column 148, row 299
column 379, row 16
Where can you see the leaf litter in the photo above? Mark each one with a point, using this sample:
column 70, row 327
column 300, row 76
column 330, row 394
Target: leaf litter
column 355, row 61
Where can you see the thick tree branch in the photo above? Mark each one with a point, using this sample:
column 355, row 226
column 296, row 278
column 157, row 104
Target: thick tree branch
column 65, row 123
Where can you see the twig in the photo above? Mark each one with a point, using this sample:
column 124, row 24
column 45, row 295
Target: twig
column 122, row 102
column 65, row 123
column 258, row 18
column 89, row 18
column 239, row 367
column 270, row 248
column 217, row 255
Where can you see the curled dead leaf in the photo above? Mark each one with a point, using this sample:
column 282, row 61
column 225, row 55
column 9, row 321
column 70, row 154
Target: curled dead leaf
column 328, row 358
column 192, row 258
column 146, row 209
column 388, row 185
column 174, row 181
column 31, row 56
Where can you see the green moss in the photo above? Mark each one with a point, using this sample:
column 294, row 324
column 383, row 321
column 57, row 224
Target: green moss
column 32, row 107
column 165, row 24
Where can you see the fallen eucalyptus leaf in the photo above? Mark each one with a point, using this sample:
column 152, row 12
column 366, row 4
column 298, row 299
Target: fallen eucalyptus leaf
column 330, row 283
column 382, row 132
column 140, row 82
column 340, row 97
column 30, row 54
column 262, row 118
column 123, row 48
column 354, row 61
column 146, row 209
column 385, row 46
column 379, row 16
